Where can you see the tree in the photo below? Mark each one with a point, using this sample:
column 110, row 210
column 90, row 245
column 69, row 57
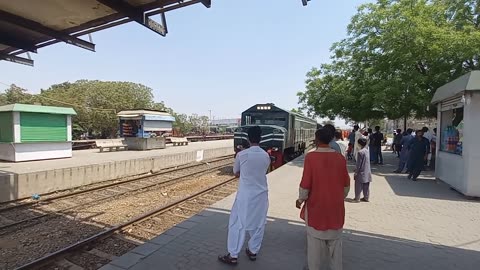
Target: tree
column 97, row 102
column 396, row 54
column 15, row 94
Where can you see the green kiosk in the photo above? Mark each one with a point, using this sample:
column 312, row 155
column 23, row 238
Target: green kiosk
column 34, row 132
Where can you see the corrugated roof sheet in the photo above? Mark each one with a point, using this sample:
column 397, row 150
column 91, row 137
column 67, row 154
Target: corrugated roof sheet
column 467, row 82
column 37, row 109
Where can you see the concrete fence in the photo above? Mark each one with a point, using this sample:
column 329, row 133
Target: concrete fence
column 22, row 185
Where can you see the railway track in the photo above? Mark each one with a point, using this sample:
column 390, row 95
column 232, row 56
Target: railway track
column 60, row 221
column 153, row 222
column 15, row 215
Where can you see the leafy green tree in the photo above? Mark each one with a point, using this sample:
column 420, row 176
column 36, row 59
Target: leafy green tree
column 97, row 102
column 15, row 94
column 396, row 54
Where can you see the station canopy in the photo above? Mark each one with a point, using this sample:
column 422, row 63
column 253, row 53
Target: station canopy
column 27, row 25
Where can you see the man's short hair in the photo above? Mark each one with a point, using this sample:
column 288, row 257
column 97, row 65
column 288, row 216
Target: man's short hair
column 399, row 131
column 377, row 128
column 338, row 134
column 425, row 129
column 362, row 141
column 409, row 131
column 323, row 135
column 330, row 128
column 255, row 134
column 356, row 127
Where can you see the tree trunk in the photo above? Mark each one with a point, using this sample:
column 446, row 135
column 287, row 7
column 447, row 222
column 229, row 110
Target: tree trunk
column 405, row 122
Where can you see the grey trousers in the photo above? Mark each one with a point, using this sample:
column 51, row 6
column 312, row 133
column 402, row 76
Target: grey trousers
column 324, row 254
column 362, row 187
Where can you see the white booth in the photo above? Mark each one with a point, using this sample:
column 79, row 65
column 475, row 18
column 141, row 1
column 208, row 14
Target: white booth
column 458, row 151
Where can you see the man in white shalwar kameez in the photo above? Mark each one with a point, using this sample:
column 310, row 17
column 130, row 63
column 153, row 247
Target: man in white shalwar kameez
column 249, row 212
column 356, row 146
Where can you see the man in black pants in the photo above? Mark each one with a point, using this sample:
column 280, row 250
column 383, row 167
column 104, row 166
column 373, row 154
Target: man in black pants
column 376, row 144
column 419, row 149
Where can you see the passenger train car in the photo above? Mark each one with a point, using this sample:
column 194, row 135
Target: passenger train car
column 285, row 135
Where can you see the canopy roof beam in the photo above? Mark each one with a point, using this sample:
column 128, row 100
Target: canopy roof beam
column 137, row 15
column 9, row 40
column 39, row 28
column 16, row 59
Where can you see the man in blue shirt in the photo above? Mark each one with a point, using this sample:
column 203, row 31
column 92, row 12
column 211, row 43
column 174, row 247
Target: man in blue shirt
column 333, row 144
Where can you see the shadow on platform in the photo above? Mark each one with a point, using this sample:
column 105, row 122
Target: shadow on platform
column 284, row 249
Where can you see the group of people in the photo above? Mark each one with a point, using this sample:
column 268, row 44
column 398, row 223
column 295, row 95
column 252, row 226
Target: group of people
column 414, row 150
column 323, row 188
column 374, row 139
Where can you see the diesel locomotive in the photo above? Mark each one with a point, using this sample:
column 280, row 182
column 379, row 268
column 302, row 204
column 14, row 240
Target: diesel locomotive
column 285, row 135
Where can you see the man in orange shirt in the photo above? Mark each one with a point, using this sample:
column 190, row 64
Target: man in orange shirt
column 325, row 185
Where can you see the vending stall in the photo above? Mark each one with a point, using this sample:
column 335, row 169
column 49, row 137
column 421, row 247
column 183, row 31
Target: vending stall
column 34, row 132
column 144, row 129
column 458, row 153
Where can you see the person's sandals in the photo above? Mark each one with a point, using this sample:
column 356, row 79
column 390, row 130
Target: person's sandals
column 251, row 256
column 355, row 200
column 227, row 259
column 364, row 200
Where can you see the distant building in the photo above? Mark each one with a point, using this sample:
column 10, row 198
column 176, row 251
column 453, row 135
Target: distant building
column 226, row 122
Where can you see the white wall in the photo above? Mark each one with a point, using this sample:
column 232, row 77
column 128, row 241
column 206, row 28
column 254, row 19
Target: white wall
column 39, row 151
column 69, row 128
column 471, row 147
column 16, row 127
column 7, row 152
column 450, row 169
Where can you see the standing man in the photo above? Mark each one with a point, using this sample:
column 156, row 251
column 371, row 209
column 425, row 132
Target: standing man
column 363, row 174
column 358, row 136
column 351, row 144
column 333, row 144
column 405, row 152
column 249, row 212
column 397, row 142
column 376, row 144
column 419, row 149
column 324, row 186
column 343, row 144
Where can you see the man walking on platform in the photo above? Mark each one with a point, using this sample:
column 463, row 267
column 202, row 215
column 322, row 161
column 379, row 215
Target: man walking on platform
column 405, row 152
column 249, row 212
column 419, row 149
column 376, row 144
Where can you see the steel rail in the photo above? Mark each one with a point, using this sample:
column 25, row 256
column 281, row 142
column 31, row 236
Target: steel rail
column 102, row 235
column 71, row 194
column 65, row 210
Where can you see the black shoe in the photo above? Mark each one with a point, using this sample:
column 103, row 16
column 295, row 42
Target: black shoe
column 227, row 259
column 251, row 256
column 409, row 176
column 364, row 200
column 397, row 171
column 414, row 178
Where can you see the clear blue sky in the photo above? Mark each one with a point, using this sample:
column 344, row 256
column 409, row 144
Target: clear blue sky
column 224, row 59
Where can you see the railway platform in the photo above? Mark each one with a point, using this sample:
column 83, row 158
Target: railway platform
column 407, row 225
column 22, row 180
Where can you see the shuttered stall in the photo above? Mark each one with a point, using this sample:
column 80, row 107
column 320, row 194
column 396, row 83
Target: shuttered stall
column 6, row 127
column 38, row 127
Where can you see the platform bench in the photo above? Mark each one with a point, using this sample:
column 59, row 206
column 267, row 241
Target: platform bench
column 117, row 144
column 179, row 141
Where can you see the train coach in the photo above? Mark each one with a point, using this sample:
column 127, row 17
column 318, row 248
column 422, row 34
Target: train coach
column 285, row 135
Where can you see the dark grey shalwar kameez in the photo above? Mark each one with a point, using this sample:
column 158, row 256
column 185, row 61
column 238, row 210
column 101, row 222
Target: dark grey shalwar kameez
column 363, row 174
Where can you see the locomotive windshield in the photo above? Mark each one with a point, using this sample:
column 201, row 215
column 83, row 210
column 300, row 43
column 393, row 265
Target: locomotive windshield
column 277, row 119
